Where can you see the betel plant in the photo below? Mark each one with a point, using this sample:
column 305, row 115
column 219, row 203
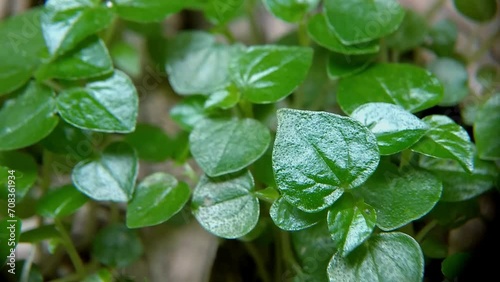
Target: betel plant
column 340, row 139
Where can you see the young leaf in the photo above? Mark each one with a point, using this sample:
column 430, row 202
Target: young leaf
column 386, row 257
column 27, row 117
column 150, row 142
column 226, row 207
column 358, row 21
column 60, row 202
column 110, row 176
column 411, row 33
column 224, row 99
column 266, row 74
column 395, row 128
column 117, row 246
column 480, row 10
column 146, row 10
column 453, row 76
column 290, row 218
column 189, row 112
column 108, row 105
column 89, row 59
column 350, row 223
column 222, row 146
column 399, row 197
column 486, row 129
column 340, row 65
column 411, row 87
column 447, row 140
column 290, row 10
column 318, row 155
column 323, row 34
column 26, row 173
column 65, row 23
column 156, row 199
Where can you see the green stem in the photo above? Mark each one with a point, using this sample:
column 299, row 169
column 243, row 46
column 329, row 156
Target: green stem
column 424, row 231
column 256, row 31
column 114, row 213
column 246, row 108
column 261, row 267
column 70, row 248
column 288, row 253
column 302, row 33
column 110, row 32
column 46, row 171
column 384, row 57
column 228, row 34
column 405, row 158
column 54, row 85
column 435, row 9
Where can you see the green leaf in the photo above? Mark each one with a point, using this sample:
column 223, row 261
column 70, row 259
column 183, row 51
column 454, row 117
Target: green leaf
column 455, row 214
column 36, row 235
column 453, row 75
column 290, row 10
column 443, row 37
column 22, row 48
column 150, row 142
column 220, row 12
column 447, row 140
column 395, row 128
column 480, row 10
column 67, row 139
column 400, row 196
column 350, row 223
column 110, row 176
column 146, row 10
column 25, row 175
column 459, row 185
column 411, row 87
column 486, row 129
column 454, row 264
column 7, row 250
column 88, row 60
column 268, row 194
column 222, row 146
column 266, row 74
column 65, row 23
column 117, row 246
column 358, row 21
column 411, row 33
column 318, row 155
column 385, row 257
column 340, row 65
column 226, row 207
column 108, row 105
column 102, row 275
column 127, row 58
column 60, row 202
column 323, row 34
column 224, row 99
column 189, row 112
column 197, row 64
column 290, row 218
column 157, row 198
column 28, row 117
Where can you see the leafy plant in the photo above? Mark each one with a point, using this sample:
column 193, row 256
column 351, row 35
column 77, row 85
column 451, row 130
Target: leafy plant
column 333, row 139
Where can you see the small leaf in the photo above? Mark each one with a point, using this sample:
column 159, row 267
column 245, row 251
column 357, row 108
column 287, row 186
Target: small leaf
column 117, row 246
column 150, row 142
column 453, row 75
column 290, row 10
column 386, row 257
column 454, row 264
column 26, row 173
column 443, row 37
column 88, row 60
column 224, row 99
column 358, row 21
column 486, row 129
column 65, row 23
column 108, row 105
column 318, row 155
column 266, row 74
column 27, row 117
column 290, row 218
column 157, row 198
column 395, row 128
column 447, row 140
column 411, row 87
column 222, row 146
column 480, row 10
column 146, row 10
column 226, row 207
column 350, row 223
column 36, row 235
column 399, row 197
column 127, row 58
column 269, row 194
column 110, row 176
column 320, row 31
column 340, row 65
column 189, row 112
column 411, row 33
column 60, row 202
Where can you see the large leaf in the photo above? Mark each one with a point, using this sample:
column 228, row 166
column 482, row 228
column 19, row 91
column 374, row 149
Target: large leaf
column 290, row 218
column 222, row 146
column 411, row 87
column 411, row 33
column 65, row 23
column 290, row 10
column 350, row 223
column 395, row 128
column 358, row 21
column 447, row 140
column 479, row 10
column 226, row 207
column 110, row 176
column 60, row 202
column 318, row 155
column 146, row 10
column 25, row 173
column 150, row 142
column 117, row 246
column 266, row 74
column 22, row 48
column 156, row 199
column 453, row 75
column 27, row 117
column 385, row 257
column 486, row 127
column 108, row 105
column 400, row 196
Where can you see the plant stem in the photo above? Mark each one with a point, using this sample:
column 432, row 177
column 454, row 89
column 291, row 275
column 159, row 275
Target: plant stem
column 228, row 34
column 110, row 32
column 27, row 265
column 70, row 248
column 434, row 9
column 384, row 57
column 114, row 213
column 288, row 253
column 257, row 35
column 302, row 33
column 424, row 231
column 246, row 108
column 54, row 85
column 261, row 268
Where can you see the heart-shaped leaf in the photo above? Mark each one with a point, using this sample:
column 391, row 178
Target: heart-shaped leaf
column 60, row 202
column 189, row 112
column 486, row 129
column 117, row 246
column 226, row 207
column 110, row 176
column 150, row 142
column 290, row 10
column 290, row 218
column 146, row 10
column 318, row 155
